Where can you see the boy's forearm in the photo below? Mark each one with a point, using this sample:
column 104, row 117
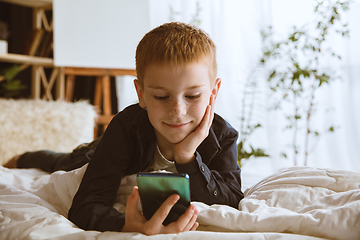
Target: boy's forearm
column 99, row 218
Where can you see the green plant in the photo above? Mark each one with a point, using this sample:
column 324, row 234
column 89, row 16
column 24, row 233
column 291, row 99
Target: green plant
column 296, row 73
column 10, row 87
column 247, row 124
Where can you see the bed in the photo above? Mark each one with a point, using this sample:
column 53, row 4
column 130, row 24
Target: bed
column 295, row 203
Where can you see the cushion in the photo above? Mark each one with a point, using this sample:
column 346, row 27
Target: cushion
column 29, row 125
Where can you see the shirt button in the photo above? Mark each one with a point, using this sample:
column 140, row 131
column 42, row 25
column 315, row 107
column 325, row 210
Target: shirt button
column 202, row 168
column 215, row 193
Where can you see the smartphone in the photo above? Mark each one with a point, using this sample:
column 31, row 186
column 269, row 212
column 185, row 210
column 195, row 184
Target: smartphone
column 155, row 188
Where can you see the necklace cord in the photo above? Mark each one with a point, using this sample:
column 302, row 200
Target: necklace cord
column 162, row 156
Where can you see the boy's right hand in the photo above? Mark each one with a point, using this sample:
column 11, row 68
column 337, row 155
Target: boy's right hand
column 184, row 151
column 136, row 222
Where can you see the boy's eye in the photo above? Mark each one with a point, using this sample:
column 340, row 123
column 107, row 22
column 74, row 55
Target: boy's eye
column 191, row 97
column 161, row 97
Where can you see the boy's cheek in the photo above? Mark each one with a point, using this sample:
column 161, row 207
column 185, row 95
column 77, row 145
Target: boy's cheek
column 200, row 111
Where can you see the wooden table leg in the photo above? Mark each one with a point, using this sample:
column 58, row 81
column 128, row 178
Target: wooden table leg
column 106, row 87
column 70, row 85
column 35, row 83
column 97, row 101
column 60, row 84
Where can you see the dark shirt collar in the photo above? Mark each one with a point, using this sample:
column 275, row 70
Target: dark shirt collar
column 209, row 147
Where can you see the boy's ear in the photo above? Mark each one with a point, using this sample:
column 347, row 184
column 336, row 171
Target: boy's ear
column 139, row 92
column 216, row 87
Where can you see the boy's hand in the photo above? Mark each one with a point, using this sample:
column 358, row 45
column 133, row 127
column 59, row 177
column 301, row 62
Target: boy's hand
column 136, row 222
column 184, row 150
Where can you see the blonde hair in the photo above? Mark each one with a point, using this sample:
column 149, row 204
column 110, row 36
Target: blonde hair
column 173, row 44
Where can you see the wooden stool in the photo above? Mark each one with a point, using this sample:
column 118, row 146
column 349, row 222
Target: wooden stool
column 102, row 97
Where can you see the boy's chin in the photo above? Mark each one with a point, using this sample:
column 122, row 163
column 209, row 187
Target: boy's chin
column 176, row 139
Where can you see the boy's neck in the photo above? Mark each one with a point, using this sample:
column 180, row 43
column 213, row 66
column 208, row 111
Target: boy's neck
column 166, row 148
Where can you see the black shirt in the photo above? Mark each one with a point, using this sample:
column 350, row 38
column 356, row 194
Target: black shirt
column 127, row 147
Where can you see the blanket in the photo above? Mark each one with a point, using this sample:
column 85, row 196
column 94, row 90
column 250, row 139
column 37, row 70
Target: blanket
column 296, row 203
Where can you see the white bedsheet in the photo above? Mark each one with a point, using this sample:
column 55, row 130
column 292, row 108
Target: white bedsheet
column 298, row 203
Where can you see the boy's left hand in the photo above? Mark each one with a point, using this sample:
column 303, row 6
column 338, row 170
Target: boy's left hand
column 184, row 150
column 136, row 222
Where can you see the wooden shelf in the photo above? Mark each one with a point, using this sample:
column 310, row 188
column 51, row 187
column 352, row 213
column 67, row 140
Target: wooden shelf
column 26, row 59
column 39, row 77
column 46, row 4
column 99, row 71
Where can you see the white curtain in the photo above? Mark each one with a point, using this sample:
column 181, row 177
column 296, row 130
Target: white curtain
column 235, row 26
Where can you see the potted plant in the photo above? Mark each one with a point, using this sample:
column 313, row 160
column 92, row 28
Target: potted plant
column 9, row 86
column 295, row 73
column 4, row 34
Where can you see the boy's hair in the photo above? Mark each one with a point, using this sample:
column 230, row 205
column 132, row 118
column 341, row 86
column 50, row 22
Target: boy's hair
column 175, row 43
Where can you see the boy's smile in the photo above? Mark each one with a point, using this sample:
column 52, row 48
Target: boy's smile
column 176, row 98
column 177, row 125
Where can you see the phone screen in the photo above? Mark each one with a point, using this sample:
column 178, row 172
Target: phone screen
column 155, row 188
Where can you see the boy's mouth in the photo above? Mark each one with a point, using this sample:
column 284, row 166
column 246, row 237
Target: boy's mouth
column 177, row 125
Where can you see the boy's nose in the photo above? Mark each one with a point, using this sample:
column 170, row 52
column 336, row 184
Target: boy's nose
column 178, row 108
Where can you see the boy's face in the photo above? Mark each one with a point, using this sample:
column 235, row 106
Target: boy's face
column 176, row 98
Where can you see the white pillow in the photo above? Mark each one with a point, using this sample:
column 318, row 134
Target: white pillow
column 29, row 125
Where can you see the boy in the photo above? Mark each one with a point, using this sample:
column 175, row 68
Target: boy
column 173, row 128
